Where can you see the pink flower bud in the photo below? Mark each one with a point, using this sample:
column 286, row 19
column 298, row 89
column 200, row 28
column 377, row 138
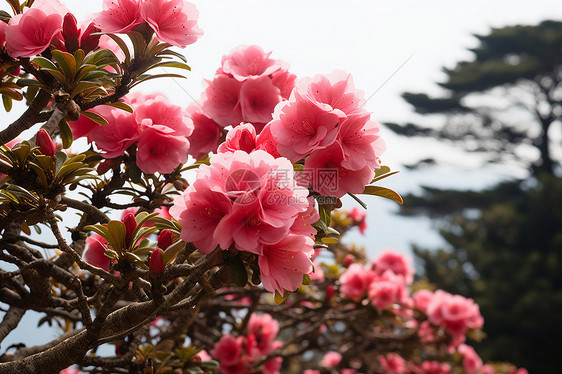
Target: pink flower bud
column 165, row 239
column 329, row 292
column 45, row 143
column 70, row 32
column 130, row 225
column 89, row 42
column 156, row 265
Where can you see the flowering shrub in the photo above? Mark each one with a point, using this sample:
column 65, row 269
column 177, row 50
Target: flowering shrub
column 190, row 278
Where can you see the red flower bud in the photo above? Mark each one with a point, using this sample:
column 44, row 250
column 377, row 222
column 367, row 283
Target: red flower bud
column 104, row 166
column 45, row 143
column 156, row 265
column 89, row 42
column 329, row 292
column 165, row 239
column 130, row 225
column 70, row 32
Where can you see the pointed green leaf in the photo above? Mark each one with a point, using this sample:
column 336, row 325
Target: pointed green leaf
column 383, row 192
column 238, row 271
column 44, row 63
column 95, row 118
column 123, row 106
column 65, row 134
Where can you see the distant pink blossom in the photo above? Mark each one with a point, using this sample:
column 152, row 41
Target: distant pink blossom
column 264, row 328
column 359, row 217
column 422, row 298
column 119, row 16
column 455, row 313
column 488, row 369
column 246, row 62
column 173, row 21
column 355, row 282
column 227, row 350
column 240, row 138
column 471, row 361
column 317, row 274
column 69, row 371
column 30, row 33
column 397, row 263
column 435, row 367
column 386, row 290
column 392, row 363
column 283, row 265
column 331, row 359
column 273, row 366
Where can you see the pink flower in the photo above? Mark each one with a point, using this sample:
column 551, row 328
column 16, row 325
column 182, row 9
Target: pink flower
column 258, row 98
column 266, row 142
column 435, row 367
column 422, row 298
column 360, row 142
column 30, row 33
column 206, row 132
column 487, row 369
column 395, row 262
column 221, row 99
column 471, row 361
column 331, row 177
column 114, row 138
column 161, row 150
column 331, row 359
column 173, row 21
column 273, row 366
column 158, row 111
column 119, row 16
column 310, row 371
column 3, row 33
column 199, row 212
column 302, row 127
column 283, row 265
column 51, row 7
column 228, row 350
column 455, row 313
column 203, row 356
column 94, row 253
column 240, row 138
column 285, row 81
column 69, row 371
column 392, row 363
column 264, row 328
column 331, row 91
column 317, row 274
column 246, row 62
column 359, row 218
column 355, row 281
column 387, row 290
column 303, row 222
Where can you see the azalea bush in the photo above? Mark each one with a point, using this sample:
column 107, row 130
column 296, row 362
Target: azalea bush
column 208, row 238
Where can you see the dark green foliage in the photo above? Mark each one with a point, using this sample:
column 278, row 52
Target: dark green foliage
column 509, row 259
column 518, row 64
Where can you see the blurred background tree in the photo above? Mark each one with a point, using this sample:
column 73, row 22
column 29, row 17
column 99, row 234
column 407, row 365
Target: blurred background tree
column 504, row 243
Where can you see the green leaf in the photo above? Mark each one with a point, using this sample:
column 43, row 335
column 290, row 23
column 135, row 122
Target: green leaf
column 5, row 16
column 28, row 82
column 325, row 215
column 57, row 74
column 120, row 105
column 45, row 63
column 7, row 101
column 134, row 173
column 387, row 193
column 79, row 57
column 117, row 234
column 122, row 45
column 170, row 254
column 238, row 271
column 65, row 134
column 66, row 62
column 280, row 299
column 179, row 65
column 361, row 202
column 306, row 281
column 139, row 43
column 95, row 118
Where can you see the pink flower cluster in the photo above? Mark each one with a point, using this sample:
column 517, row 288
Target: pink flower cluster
column 455, row 313
column 237, row 355
column 250, row 201
column 173, row 21
column 393, row 363
column 385, row 283
column 158, row 128
column 324, row 122
column 247, row 87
